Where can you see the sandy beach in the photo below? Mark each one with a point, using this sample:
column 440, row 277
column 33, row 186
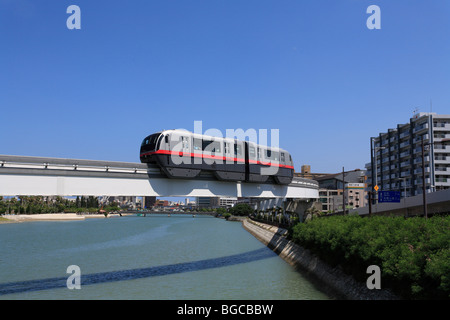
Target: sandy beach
column 52, row 217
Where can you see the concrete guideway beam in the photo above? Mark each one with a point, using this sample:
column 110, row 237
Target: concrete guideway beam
column 50, row 185
column 71, row 177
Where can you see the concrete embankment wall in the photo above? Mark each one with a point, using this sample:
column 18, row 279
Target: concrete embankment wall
column 332, row 280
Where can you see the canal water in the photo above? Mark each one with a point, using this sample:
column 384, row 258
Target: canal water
column 154, row 257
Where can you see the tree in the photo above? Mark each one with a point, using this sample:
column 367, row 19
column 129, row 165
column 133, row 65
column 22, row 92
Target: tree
column 83, row 202
column 221, row 211
column 241, row 209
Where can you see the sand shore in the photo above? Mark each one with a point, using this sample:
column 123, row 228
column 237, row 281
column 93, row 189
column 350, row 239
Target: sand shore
column 53, row 217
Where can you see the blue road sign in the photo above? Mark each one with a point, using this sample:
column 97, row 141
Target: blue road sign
column 388, row 196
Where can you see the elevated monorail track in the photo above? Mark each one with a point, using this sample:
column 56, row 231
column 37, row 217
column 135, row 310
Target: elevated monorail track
column 26, row 175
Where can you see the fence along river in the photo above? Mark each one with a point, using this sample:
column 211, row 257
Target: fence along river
column 153, row 257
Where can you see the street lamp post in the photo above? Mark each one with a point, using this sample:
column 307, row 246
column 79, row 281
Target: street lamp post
column 424, row 189
column 404, row 197
column 374, row 184
column 376, row 149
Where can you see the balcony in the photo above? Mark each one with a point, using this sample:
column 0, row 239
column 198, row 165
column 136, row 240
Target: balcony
column 405, row 164
column 419, row 170
column 439, row 126
column 404, row 154
column 402, row 185
column 438, row 159
column 419, row 181
column 393, row 148
column 442, row 182
column 405, row 174
column 441, row 148
column 421, row 127
column 404, row 134
column 419, row 159
column 404, row 144
column 419, row 139
column 444, row 170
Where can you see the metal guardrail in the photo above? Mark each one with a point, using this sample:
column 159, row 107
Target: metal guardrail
column 7, row 161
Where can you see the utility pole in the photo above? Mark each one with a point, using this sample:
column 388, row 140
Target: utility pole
column 424, row 189
column 343, row 191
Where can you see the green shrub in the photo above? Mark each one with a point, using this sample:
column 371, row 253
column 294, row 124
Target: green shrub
column 413, row 253
column 241, row 209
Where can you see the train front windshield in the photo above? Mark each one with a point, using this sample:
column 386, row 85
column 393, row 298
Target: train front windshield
column 149, row 143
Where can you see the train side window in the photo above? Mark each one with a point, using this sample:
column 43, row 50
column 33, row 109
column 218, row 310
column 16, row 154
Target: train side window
column 158, row 142
column 252, row 152
column 185, row 142
column 237, row 149
column 226, row 147
column 282, row 157
column 268, row 154
column 205, row 144
column 166, row 139
column 197, row 144
column 215, row 147
column 275, row 155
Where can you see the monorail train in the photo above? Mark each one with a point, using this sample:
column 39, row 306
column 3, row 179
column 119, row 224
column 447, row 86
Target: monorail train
column 183, row 154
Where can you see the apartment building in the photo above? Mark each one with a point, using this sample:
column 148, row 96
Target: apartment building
column 396, row 156
column 334, row 189
column 227, row 202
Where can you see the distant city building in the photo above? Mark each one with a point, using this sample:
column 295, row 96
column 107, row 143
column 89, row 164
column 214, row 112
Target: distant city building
column 149, row 202
column 333, row 190
column 307, row 174
column 396, row 156
column 252, row 202
column 161, row 203
column 207, row 202
column 227, row 202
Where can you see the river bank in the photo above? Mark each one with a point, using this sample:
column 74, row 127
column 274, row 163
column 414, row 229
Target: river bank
column 333, row 280
column 12, row 218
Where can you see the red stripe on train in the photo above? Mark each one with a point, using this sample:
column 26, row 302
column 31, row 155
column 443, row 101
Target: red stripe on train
column 199, row 155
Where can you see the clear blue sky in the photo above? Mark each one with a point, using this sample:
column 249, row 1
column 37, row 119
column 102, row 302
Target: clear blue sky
column 310, row 68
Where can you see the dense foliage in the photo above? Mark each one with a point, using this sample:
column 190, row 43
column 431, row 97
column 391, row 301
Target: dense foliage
column 241, row 209
column 39, row 204
column 413, row 253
